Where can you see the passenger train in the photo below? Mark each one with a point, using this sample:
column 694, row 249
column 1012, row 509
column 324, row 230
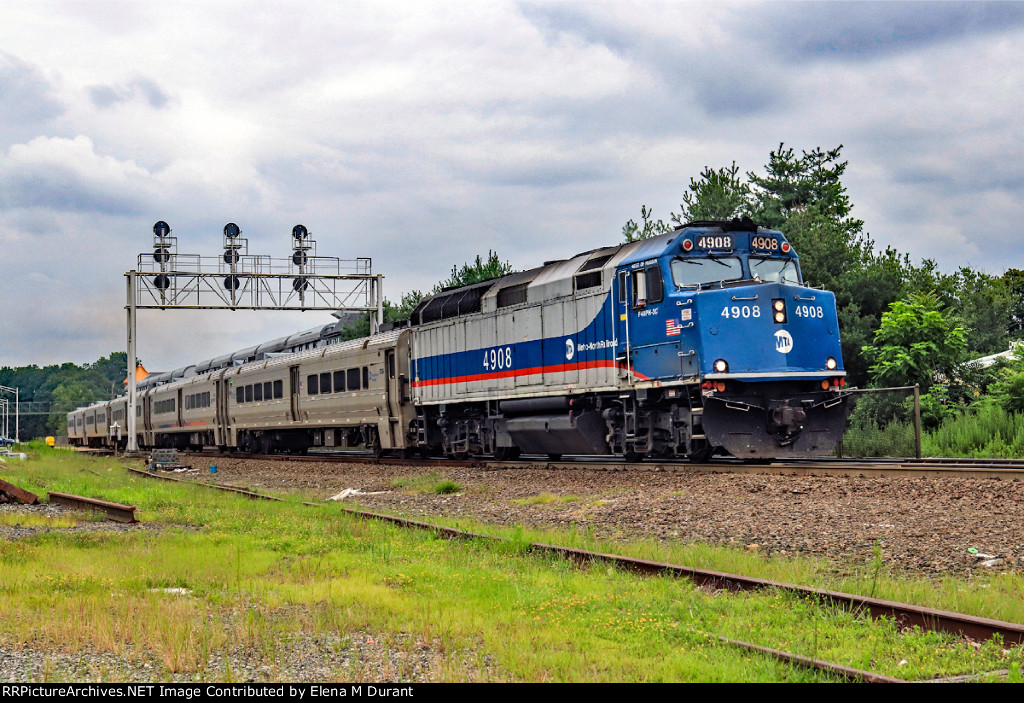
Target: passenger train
column 699, row 341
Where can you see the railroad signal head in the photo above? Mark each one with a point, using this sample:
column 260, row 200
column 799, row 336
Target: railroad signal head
column 231, row 230
column 161, row 229
column 299, row 232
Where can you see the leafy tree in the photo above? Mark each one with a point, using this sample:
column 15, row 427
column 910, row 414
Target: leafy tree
column 985, row 308
column 631, row 231
column 1014, row 281
column 476, row 272
column 716, row 195
column 915, row 342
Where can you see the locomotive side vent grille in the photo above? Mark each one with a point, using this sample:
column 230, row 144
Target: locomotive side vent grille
column 512, row 295
column 588, row 280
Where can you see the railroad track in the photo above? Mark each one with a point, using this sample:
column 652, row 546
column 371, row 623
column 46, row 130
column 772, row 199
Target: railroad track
column 1000, row 469
column 905, row 614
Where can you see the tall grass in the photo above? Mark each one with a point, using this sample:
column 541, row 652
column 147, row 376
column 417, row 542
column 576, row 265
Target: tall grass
column 984, row 431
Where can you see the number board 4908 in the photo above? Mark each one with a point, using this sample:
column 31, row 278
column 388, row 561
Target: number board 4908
column 715, row 241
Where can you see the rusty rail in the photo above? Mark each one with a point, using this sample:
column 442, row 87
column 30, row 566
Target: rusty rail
column 21, row 494
column 114, row 511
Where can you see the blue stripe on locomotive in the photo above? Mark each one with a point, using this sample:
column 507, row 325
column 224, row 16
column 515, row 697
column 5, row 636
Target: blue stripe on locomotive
column 593, row 345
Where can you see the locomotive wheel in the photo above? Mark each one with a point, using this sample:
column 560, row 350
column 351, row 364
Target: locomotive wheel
column 701, row 456
column 506, row 453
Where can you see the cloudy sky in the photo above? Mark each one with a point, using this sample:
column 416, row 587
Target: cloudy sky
column 422, row 133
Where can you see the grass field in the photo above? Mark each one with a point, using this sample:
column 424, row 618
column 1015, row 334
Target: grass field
column 210, row 579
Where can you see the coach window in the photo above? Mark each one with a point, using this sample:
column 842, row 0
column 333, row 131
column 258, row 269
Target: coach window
column 248, row 394
column 278, row 389
column 353, row 379
column 257, row 391
column 325, row 383
column 239, row 395
column 313, row 385
column 366, row 377
column 339, row 381
column 268, row 391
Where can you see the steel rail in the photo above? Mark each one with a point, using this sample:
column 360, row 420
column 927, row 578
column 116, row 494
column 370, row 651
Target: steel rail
column 114, row 511
column 18, row 493
column 905, row 614
column 846, row 672
column 978, row 469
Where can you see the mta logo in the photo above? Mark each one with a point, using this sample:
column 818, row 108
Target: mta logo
column 783, row 342
column 570, row 349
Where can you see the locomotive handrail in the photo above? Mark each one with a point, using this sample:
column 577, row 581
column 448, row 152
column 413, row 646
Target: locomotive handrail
column 797, row 297
column 736, row 298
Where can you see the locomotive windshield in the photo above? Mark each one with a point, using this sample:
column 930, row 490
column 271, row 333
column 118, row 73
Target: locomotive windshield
column 774, row 270
column 694, row 272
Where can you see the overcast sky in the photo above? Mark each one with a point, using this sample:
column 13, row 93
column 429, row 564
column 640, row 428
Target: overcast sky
column 422, row 133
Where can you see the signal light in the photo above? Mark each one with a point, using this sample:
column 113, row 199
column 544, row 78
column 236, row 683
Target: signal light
column 785, row 247
column 721, row 366
column 299, row 232
column 830, row 363
column 231, row 230
column 230, row 256
column 299, row 257
column 687, row 244
column 161, row 255
column 300, row 284
column 720, row 386
column 161, row 229
column 231, row 282
column 824, row 385
column 161, row 282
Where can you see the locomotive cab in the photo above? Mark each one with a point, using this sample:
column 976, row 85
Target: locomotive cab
column 729, row 349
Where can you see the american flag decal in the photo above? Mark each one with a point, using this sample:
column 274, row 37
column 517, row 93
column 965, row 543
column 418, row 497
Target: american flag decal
column 672, row 328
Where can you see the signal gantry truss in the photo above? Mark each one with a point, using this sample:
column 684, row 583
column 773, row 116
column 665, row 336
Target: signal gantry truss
column 237, row 280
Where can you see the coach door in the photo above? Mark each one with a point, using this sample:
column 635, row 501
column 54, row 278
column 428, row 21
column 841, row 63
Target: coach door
column 392, row 395
column 222, row 422
column 293, row 376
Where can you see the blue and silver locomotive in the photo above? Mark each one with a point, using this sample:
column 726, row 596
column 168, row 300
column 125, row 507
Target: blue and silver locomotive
column 697, row 341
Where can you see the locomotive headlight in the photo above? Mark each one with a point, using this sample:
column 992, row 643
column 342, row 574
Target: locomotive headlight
column 830, row 363
column 721, row 366
column 779, row 306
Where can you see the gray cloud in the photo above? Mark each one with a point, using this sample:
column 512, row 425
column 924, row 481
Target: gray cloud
column 27, row 98
column 103, row 96
column 859, row 31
